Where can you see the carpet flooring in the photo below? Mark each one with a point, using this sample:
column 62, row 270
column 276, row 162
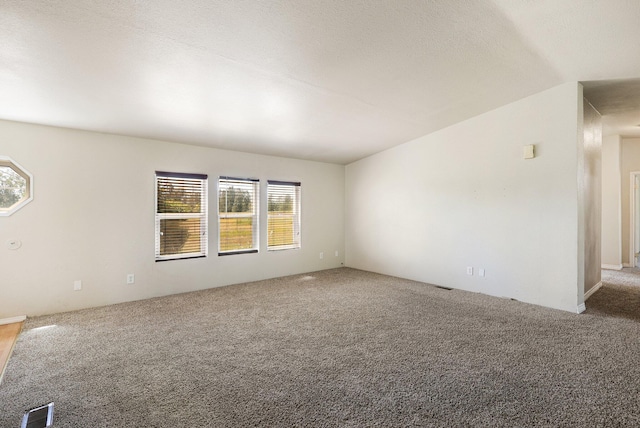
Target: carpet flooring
column 336, row 348
column 619, row 295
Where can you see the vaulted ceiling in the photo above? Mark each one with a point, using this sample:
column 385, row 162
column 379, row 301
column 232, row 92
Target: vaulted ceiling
column 327, row 80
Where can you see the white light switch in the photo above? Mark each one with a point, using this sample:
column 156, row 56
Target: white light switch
column 481, row 272
column 77, row 285
column 529, row 151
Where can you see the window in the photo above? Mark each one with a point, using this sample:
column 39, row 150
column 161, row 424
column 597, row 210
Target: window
column 16, row 186
column 181, row 215
column 237, row 216
column 283, row 215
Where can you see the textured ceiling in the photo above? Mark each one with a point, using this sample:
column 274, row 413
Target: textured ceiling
column 327, row 80
column 618, row 101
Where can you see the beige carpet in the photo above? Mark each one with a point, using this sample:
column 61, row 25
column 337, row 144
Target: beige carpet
column 619, row 295
column 337, row 348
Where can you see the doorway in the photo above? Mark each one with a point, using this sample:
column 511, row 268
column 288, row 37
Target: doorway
column 634, row 203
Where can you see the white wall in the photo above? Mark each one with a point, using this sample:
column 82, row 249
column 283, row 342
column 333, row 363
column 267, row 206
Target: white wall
column 464, row 196
column 590, row 187
column 611, row 200
column 92, row 219
column 630, row 162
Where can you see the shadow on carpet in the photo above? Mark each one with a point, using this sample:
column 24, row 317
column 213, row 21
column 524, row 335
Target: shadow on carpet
column 620, row 301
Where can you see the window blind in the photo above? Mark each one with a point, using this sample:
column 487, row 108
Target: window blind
column 181, row 216
column 283, row 215
column 238, row 227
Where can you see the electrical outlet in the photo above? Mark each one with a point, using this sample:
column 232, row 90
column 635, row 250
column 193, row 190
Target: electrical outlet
column 131, row 278
column 469, row 270
column 321, row 256
column 77, row 285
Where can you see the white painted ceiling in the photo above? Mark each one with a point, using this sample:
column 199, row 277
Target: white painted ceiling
column 618, row 101
column 327, row 80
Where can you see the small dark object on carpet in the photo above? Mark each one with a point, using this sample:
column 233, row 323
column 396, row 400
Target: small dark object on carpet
column 39, row 417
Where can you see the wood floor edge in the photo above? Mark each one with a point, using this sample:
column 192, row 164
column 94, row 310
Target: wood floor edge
column 6, row 356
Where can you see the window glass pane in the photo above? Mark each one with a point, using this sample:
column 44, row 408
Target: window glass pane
column 281, row 230
column 237, row 215
column 16, row 188
column 13, row 187
column 179, row 196
column 236, row 233
column 181, row 215
column 180, row 236
column 283, row 210
column 236, row 197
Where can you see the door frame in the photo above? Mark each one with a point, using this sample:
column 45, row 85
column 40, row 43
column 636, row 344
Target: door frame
column 632, row 218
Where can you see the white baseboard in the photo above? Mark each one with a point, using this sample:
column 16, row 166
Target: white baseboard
column 581, row 308
column 592, row 290
column 12, row 320
column 627, row 265
column 612, row 267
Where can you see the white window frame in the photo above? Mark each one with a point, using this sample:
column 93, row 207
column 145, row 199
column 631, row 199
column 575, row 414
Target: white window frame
column 276, row 187
column 199, row 180
column 224, row 183
column 7, row 162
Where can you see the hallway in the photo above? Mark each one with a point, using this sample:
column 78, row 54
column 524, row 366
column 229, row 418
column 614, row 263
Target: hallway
column 619, row 295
